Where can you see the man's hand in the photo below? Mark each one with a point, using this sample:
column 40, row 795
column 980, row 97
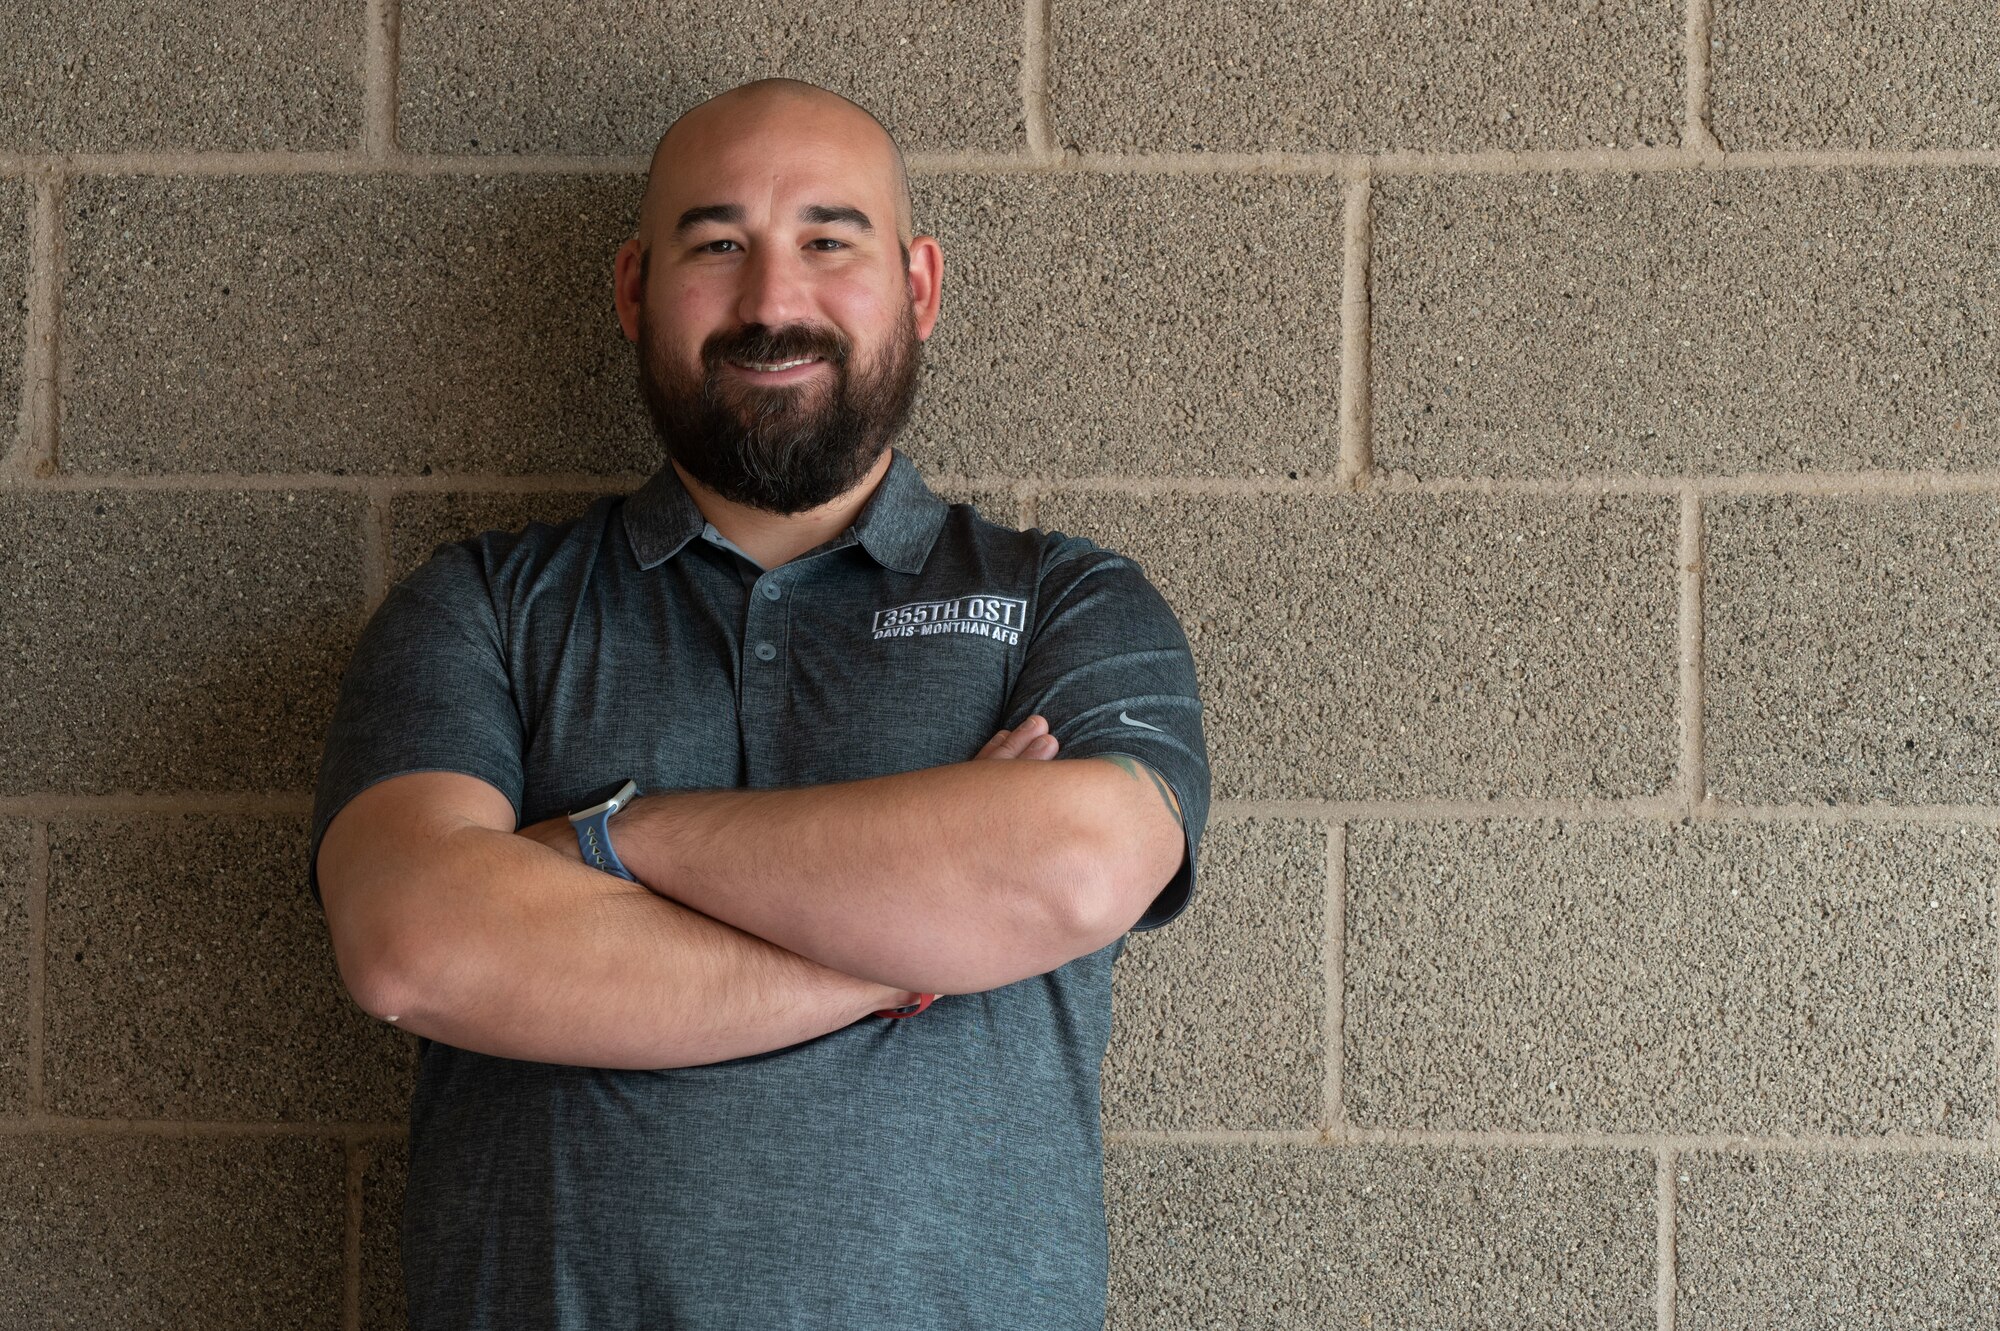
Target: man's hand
column 1031, row 739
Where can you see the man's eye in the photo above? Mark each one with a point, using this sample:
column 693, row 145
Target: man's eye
column 713, row 243
column 828, row 240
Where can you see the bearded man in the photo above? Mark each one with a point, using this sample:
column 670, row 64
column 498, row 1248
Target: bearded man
column 749, row 855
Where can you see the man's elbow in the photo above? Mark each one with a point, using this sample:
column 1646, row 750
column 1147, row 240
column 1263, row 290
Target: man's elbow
column 1117, row 876
column 363, row 940
column 378, row 986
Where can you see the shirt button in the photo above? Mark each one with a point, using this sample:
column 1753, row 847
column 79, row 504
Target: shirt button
column 772, row 591
column 765, row 651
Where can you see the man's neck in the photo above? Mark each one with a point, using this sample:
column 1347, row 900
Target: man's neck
column 778, row 538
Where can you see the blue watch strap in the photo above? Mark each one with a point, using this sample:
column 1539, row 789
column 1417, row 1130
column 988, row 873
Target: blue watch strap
column 593, row 832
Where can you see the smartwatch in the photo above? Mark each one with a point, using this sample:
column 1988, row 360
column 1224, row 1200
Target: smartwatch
column 593, row 832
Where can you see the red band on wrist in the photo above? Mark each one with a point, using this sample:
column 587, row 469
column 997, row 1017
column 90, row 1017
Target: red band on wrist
column 923, row 1001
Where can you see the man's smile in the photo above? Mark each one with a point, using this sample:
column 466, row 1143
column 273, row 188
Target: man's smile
column 776, row 372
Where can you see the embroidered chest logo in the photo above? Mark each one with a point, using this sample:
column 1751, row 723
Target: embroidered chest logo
column 1001, row 618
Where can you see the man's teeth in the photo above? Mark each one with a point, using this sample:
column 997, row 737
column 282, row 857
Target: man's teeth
column 779, row 365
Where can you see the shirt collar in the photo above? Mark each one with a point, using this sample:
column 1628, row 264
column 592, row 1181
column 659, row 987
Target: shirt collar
column 900, row 521
column 897, row 526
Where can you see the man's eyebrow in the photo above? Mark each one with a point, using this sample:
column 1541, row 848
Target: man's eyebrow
column 822, row 213
column 708, row 212
column 817, row 214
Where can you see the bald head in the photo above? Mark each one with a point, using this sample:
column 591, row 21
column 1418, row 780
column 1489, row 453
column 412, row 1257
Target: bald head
column 773, row 109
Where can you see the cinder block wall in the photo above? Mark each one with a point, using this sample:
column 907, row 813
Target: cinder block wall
column 1570, row 434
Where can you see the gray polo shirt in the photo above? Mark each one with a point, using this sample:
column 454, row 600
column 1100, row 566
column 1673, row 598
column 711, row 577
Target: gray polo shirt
column 943, row 1171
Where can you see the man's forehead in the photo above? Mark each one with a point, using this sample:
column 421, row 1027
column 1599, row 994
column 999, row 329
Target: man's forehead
column 763, row 189
column 815, row 148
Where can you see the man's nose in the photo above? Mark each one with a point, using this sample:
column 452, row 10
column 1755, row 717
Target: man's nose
column 772, row 291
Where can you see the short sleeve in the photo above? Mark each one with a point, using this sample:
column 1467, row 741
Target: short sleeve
column 427, row 689
column 1108, row 665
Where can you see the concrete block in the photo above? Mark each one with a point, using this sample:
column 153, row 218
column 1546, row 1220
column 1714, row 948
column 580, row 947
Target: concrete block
column 158, row 640
column 1849, row 648
column 1786, row 1241
column 384, row 1305
column 1384, row 1236
column 17, row 203
column 1132, row 324
column 299, row 323
column 1822, row 74
column 420, row 521
column 124, row 1231
column 17, row 845
column 1219, row 1019
column 598, row 77
column 1686, row 322
column 190, row 978
column 1416, row 646
column 1367, row 77
column 185, row 75
column 1661, row 977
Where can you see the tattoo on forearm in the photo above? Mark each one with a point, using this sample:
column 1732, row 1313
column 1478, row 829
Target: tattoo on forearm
column 1140, row 772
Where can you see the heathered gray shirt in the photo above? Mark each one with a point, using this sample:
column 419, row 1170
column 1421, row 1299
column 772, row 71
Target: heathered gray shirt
column 943, row 1171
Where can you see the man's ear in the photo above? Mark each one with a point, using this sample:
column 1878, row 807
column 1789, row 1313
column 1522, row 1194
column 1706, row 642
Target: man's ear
column 628, row 290
column 925, row 278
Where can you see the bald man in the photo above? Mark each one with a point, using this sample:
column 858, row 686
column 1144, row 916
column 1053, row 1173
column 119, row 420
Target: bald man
column 750, row 855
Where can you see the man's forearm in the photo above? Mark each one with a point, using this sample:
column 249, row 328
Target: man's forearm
column 953, row 879
column 526, row 954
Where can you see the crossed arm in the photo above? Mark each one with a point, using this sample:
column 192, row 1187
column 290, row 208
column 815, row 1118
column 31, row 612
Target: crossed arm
column 951, row 880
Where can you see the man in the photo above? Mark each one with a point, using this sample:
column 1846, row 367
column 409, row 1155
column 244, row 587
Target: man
column 828, row 1057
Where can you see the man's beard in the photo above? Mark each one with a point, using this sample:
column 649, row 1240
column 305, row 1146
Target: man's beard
column 788, row 447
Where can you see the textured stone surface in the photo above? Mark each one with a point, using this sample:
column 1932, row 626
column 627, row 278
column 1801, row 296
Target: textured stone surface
column 1372, row 76
column 17, row 843
column 181, row 74
column 1826, row 74
column 159, row 640
column 1673, row 323
column 595, row 76
column 1416, row 645
column 199, row 1233
column 17, row 202
column 1791, row 1241
column 190, row 978
column 1157, row 325
column 1219, row 1018
column 1852, row 648
column 349, row 324
column 1646, row 977
column 384, row 1305
column 1418, row 1236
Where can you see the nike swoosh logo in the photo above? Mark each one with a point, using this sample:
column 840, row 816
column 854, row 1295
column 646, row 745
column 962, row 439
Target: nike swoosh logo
column 1141, row 724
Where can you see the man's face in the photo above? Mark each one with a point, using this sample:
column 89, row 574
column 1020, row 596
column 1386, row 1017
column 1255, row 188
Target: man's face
column 777, row 339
